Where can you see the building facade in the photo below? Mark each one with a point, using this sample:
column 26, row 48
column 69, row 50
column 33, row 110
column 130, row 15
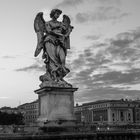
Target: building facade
column 109, row 112
column 30, row 112
column 98, row 112
column 137, row 112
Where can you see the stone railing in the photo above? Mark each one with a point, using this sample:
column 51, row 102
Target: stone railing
column 110, row 135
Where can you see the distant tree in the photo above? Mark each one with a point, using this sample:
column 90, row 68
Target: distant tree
column 9, row 119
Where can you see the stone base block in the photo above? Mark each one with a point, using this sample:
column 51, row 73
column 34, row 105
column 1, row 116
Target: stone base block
column 56, row 104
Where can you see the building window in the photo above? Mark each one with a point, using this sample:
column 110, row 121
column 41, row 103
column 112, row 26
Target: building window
column 113, row 117
column 122, row 116
column 129, row 116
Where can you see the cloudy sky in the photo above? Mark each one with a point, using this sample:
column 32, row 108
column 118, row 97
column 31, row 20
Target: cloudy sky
column 104, row 58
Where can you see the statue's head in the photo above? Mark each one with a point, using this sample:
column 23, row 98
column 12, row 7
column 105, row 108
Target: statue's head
column 53, row 11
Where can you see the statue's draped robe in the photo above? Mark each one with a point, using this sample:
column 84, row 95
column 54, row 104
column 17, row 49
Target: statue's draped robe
column 55, row 49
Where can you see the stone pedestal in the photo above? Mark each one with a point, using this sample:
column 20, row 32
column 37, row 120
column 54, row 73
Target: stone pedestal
column 56, row 104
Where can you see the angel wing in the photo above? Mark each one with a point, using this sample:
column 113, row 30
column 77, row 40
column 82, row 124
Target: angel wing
column 39, row 27
column 66, row 20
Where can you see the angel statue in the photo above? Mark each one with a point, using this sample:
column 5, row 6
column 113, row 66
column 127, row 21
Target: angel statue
column 53, row 40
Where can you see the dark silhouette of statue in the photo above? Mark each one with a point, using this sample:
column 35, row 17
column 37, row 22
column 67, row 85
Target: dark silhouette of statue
column 53, row 39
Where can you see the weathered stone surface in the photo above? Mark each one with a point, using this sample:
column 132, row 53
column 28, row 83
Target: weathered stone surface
column 53, row 38
column 56, row 104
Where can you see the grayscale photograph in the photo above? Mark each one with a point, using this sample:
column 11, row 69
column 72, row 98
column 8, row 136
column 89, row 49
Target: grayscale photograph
column 70, row 70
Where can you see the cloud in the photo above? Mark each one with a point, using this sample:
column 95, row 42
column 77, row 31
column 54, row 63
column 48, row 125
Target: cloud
column 34, row 67
column 136, row 33
column 92, row 37
column 37, row 66
column 109, row 2
column 101, row 14
column 106, row 93
column 82, row 17
column 104, row 70
column 105, row 86
column 123, row 39
column 69, row 3
column 118, row 77
column 125, row 47
column 8, row 57
column 108, row 69
column 4, row 97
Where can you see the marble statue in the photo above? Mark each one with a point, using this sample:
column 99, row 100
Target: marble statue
column 53, row 39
